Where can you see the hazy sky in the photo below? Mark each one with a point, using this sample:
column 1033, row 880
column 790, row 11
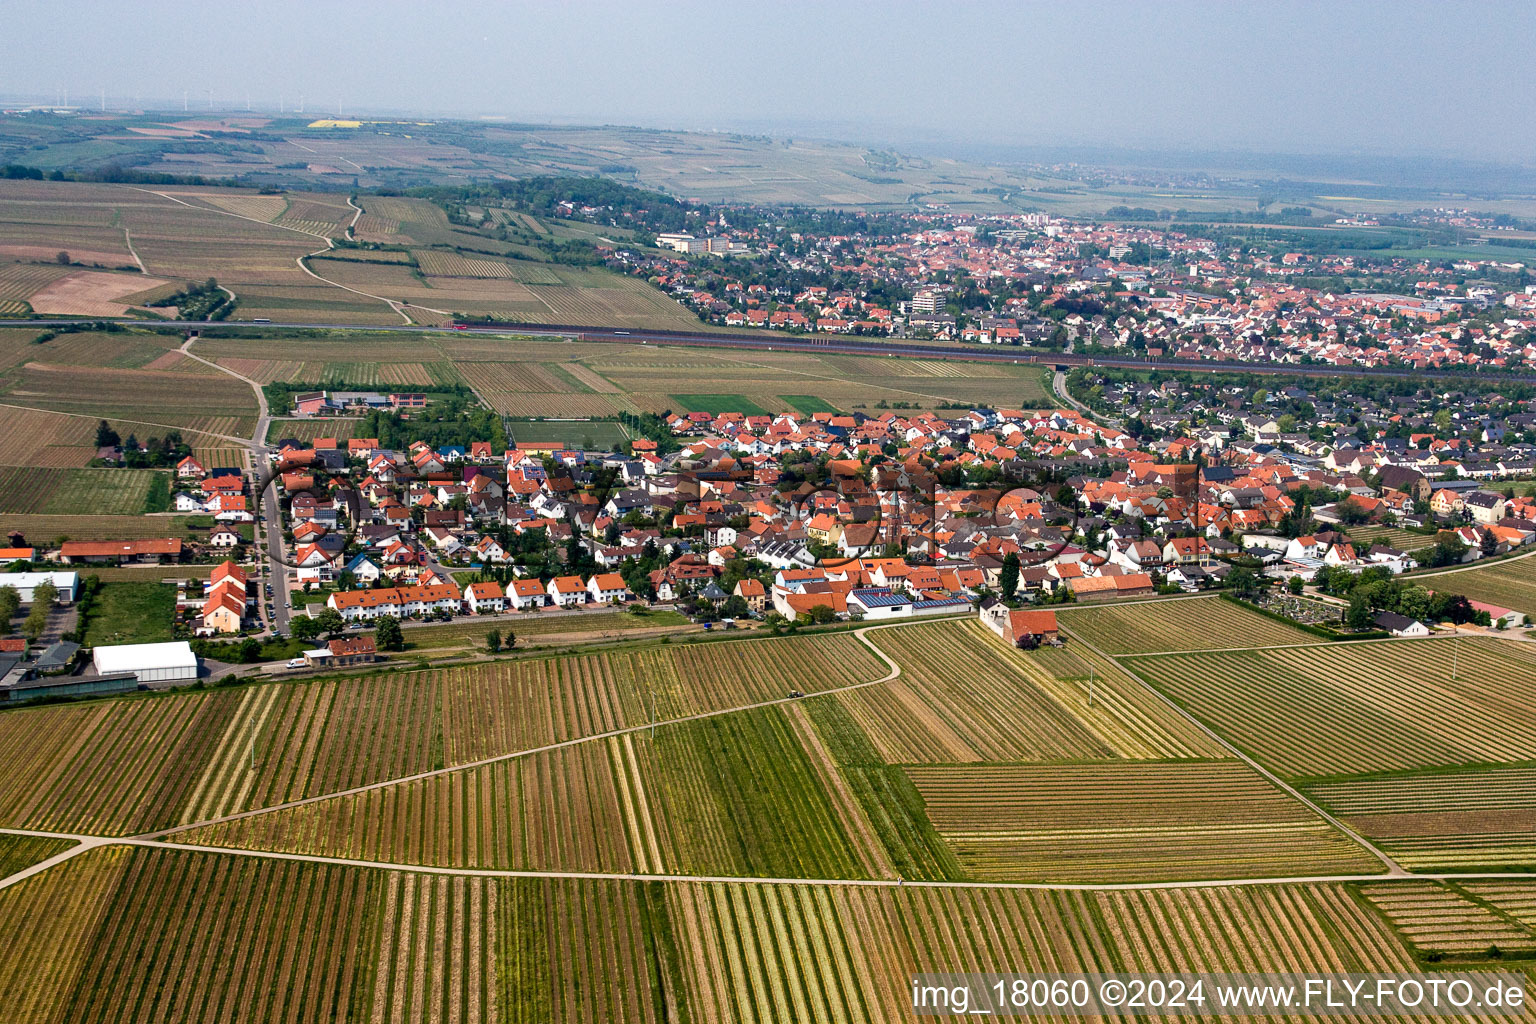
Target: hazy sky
column 1387, row 77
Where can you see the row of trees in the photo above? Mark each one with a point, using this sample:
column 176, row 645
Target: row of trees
column 1376, row 590
column 43, row 597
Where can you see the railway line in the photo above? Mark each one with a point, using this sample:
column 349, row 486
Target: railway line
column 836, row 345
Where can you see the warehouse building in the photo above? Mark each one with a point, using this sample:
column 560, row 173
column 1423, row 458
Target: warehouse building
column 67, row 583
column 171, row 662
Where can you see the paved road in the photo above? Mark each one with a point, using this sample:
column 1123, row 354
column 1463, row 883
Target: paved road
column 268, row 527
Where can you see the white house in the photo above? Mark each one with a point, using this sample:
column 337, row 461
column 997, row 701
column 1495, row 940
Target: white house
column 879, row 603
column 485, row 598
column 526, row 594
column 224, row 537
column 608, row 588
column 1400, row 625
column 567, row 591
column 1305, row 547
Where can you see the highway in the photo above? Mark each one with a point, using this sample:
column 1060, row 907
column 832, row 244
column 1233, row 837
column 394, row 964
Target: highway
column 833, row 344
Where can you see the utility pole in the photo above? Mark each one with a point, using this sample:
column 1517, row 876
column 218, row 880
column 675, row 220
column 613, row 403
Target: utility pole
column 253, row 741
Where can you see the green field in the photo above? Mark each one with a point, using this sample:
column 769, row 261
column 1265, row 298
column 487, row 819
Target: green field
column 717, row 404
column 108, row 492
column 809, row 405
column 130, row 613
column 591, row 435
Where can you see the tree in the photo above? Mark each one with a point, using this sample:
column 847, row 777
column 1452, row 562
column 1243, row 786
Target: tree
column 44, row 594
column 62, row 258
column 1242, row 581
column 508, row 640
column 1295, row 585
column 1350, row 512
column 493, row 641
column 330, row 621
column 10, row 603
column 106, row 437
column 822, row 614
column 387, row 634
column 1009, row 581
column 1360, row 612
column 306, row 628
column 36, row 621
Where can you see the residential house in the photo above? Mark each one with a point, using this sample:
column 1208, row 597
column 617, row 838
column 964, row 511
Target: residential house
column 1020, row 627
column 485, row 598
column 608, row 588
column 525, row 594
column 567, row 592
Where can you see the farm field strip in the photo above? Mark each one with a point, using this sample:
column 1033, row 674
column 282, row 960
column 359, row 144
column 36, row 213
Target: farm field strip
column 959, row 698
column 1439, row 917
column 156, row 933
column 1368, row 708
column 136, row 766
column 1482, row 818
column 693, row 800
column 33, row 437
column 108, row 492
column 1510, row 583
column 19, row 851
column 46, row 926
column 1123, row 713
column 1190, row 624
column 555, row 810
column 113, row 768
column 1126, row 821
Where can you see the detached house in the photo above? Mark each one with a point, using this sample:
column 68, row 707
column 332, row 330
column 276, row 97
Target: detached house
column 1020, row 627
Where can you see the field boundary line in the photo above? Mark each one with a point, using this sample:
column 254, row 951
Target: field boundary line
column 89, row 842
column 895, row 671
column 1394, row 869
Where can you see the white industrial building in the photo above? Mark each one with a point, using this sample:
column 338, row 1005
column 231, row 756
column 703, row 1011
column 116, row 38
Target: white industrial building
column 67, row 583
column 171, row 662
